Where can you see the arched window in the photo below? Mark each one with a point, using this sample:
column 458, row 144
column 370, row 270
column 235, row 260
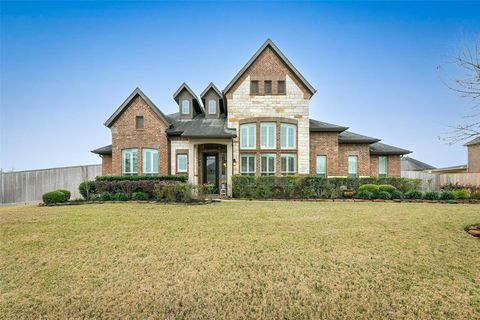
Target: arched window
column 212, row 106
column 186, row 107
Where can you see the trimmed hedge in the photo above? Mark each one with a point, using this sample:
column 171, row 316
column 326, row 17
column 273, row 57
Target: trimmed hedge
column 66, row 193
column 310, row 186
column 87, row 189
column 142, row 178
column 57, row 196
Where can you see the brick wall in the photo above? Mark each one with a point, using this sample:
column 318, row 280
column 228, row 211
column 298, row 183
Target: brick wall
column 326, row 144
column 393, row 166
column 360, row 150
column 125, row 136
column 107, row 165
column 474, row 158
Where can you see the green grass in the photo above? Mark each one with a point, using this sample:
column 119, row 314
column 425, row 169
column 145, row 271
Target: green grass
column 256, row 260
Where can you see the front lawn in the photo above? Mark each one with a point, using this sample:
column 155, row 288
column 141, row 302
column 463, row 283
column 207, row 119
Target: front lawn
column 258, row 260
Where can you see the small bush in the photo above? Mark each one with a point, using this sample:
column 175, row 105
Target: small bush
column 373, row 188
column 462, row 194
column 387, row 187
column 171, row 191
column 106, row 196
column 414, row 194
column 121, row 196
column 432, row 195
column 66, row 193
column 396, row 194
column 87, row 189
column 56, row 196
column 448, row 195
column 140, row 195
column 384, row 195
column 475, row 195
column 365, row 195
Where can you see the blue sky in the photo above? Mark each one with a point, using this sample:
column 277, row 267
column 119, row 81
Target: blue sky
column 66, row 66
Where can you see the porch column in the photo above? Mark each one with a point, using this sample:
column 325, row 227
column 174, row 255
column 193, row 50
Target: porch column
column 191, row 163
column 229, row 168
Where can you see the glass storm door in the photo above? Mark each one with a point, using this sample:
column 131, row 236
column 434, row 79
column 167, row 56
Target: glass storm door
column 210, row 170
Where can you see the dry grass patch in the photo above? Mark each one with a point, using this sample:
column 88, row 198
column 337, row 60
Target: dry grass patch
column 289, row 260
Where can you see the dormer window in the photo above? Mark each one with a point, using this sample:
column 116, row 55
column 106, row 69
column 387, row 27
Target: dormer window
column 212, row 106
column 185, row 107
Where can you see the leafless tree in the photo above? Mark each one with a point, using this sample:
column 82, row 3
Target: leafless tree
column 468, row 86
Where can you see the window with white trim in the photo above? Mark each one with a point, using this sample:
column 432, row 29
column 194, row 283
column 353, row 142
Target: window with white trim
column 150, row 162
column 186, row 106
column 352, row 166
column 288, row 164
column 130, row 162
column 268, row 137
column 248, row 136
column 182, row 163
column 322, row 166
column 288, row 136
column 212, row 107
column 382, row 166
column 247, row 164
column 268, row 164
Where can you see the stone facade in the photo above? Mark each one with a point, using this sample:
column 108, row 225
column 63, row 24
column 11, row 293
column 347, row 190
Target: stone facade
column 474, row 158
column 126, row 136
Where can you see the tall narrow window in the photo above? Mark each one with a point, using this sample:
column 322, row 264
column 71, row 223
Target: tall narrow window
column 247, row 164
column 267, row 87
column 352, row 166
column 268, row 164
column 182, row 163
column 382, row 166
column 281, row 89
column 186, row 107
column 288, row 136
column 150, row 162
column 139, row 122
column 212, row 106
column 130, row 162
column 288, row 164
column 254, row 87
column 248, row 136
column 268, row 136
column 322, row 166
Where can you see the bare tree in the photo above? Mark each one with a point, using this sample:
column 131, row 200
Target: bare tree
column 468, row 86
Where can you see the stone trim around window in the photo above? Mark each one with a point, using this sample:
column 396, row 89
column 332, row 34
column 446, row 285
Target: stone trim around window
column 181, row 152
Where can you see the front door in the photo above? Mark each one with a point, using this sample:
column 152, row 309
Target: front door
column 210, row 170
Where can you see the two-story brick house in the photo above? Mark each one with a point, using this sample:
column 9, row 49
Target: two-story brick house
column 258, row 125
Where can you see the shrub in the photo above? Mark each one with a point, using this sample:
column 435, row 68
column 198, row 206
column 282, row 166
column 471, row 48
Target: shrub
column 387, row 187
column 87, row 189
column 462, row 194
column 373, row 188
column 66, row 193
column 140, row 195
column 170, row 191
column 121, row 196
column 106, row 196
column 142, row 178
column 414, row 194
column 365, row 194
column 447, row 195
column 127, row 186
column 432, row 195
column 56, row 196
column 384, row 195
column 475, row 195
column 396, row 194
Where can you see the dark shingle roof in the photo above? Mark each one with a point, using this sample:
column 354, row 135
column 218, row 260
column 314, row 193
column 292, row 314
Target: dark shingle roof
column 103, row 150
column 319, row 126
column 124, row 105
column 350, row 137
column 411, row 164
column 200, row 127
column 385, row 149
column 472, row 142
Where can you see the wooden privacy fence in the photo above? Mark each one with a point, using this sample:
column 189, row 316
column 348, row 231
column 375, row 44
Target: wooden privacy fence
column 29, row 186
column 431, row 181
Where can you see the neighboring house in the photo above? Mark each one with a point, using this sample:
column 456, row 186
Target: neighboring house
column 453, row 169
column 258, row 125
column 411, row 164
column 473, row 148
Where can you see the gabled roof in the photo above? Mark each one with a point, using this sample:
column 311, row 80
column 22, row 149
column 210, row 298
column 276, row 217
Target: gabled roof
column 350, row 137
column 200, row 127
column 472, row 142
column 460, row 168
column 411, row 164
column 124, row 105
column 186, row 87
column 103, row 150
column 319, row 126
column 269, row 43
column 385, row 149
column 211, row 86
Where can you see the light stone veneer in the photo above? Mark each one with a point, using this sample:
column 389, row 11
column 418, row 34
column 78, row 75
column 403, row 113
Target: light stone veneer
column 292, row 105
column 174, row 146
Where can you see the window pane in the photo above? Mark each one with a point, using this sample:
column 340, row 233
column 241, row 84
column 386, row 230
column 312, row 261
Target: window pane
column 288, row 139
column 382, row 165
column 185, row 106
column 244, row 164
column 212, row 106
column 268, row 135
column 251, row 164
column 321, row 165
column 352, row 165
column 150, row 161
column 281, row 87
column 247, row 164
column 254, row 87
column 182, row 163
column 268, row 87
column 247, row 136
column 139, row 122
column 129, row 162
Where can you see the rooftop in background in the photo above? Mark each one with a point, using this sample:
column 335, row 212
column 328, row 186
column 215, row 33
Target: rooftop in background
column 472, row 142
column 411, row 164
column 455, row 169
